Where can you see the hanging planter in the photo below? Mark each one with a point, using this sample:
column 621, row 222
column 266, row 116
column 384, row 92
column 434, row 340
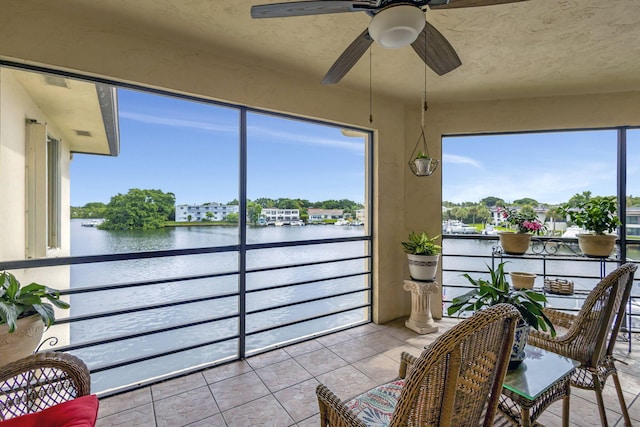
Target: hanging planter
column 421, row 163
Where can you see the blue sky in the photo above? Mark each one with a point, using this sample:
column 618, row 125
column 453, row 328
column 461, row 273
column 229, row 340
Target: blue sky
column 549, row 166
column 191, row 149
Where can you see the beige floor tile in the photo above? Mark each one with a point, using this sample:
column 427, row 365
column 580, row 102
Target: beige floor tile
column 215, row 421
column 265, row 411
column 124, row 401
column 140, row 416
column 367, row 329
column 283, row 374
column 185, row 408
column 338, row 337
column 266, row 359
column 299, row 400
column 347, row 382
column 310, row 422
column 177, row 386
column 303, row 348
column 583, row 413
column 321, row 361
column 394, row 353
column 634, row 409
column 379, row 368
column 223, row 372
column 353, row 350
column 380, row 341
column 238, row 390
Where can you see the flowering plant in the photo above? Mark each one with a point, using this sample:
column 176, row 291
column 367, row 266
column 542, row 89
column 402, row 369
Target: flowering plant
column 524, row 222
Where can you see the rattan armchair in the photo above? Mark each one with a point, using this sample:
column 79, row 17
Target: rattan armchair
column 40, row 381
column 456, row 381
column 590, row 336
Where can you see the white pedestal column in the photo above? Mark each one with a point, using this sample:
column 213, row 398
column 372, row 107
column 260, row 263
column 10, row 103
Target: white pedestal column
column 421, row 320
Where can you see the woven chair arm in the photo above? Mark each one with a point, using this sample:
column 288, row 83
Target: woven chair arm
column 406, row 364
column 333, row 412
column 564, row 344
column 559, row 318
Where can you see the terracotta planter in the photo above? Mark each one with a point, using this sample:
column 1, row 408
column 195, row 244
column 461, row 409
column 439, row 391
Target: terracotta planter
column 21, row 342
column 596, row 245
column 514, row 243
column 521, row 280
column 423, row 267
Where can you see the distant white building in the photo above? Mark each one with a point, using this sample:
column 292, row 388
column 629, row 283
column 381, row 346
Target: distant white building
column 204, row 212
column 273, row 215
column 318, row 215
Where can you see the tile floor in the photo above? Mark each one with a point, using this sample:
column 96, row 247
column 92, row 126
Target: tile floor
column 278, row 388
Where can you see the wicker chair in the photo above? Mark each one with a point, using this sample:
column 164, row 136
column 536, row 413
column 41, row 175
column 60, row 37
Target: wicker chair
column 590, row 336
column 456, row 381
column 40, row 381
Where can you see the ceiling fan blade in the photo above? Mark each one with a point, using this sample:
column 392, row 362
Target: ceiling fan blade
column 301, row 8
column 452, row 4
column 348, row 59
column 435, row 50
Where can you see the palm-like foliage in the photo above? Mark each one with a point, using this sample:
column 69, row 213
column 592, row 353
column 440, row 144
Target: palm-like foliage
column 421, row 244
column 529, row 303
column 17, row 302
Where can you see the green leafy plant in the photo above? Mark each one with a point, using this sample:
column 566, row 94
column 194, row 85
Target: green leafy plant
column 422, row 155
column 17, row 302
column 524, row 222
column 421, row 244
column 597, row 214
column 528, row 302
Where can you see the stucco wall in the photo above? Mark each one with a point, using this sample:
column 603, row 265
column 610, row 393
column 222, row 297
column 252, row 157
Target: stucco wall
column 76, row 40
column 92, row 44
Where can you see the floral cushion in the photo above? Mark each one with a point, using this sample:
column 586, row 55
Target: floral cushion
column 375, row 407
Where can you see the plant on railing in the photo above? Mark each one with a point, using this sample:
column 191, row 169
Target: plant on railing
column 597, row 214
column 522, row 220
column 17, row 302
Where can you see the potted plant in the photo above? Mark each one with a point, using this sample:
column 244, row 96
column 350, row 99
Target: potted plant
column 496, row 290
column 24, row 313
column 597, row 215
column 525, row 223
column 423, row 164
column 423, row 253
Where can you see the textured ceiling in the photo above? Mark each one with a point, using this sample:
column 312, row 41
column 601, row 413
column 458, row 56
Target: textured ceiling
column 531, row 48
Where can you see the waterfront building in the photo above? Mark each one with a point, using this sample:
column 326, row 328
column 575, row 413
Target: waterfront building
column 319, row 215
column 274, row 215
column 204, row 212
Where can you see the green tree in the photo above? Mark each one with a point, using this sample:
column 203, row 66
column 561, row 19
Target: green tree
column 580, row 198
column 232, row 218
column 526, row 201
column 253, row 212
column 554, row 215
column 492, row 201
column 139, row 209
column 209, row 216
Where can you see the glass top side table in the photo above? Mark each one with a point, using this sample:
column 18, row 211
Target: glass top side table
column 541, row 379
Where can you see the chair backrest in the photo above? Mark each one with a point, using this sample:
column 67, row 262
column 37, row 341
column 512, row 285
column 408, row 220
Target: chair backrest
column 596, row 326
column 458, row 378
column 40, row 381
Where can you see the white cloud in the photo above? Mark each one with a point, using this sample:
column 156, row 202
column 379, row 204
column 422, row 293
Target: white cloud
column 164, row 121
column 461, row 160
column 293, row 138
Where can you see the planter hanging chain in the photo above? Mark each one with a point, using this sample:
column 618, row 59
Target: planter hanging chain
column 421, row 163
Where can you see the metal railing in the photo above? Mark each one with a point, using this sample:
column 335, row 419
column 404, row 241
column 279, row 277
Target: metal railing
column 548, row 258
column 142, row 331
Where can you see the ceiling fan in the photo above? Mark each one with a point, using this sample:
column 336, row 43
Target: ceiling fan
column 394, row 24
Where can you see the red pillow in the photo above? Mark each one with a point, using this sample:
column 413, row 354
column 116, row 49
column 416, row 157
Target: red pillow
column 80, row 412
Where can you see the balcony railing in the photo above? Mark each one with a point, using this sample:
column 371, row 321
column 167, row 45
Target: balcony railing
column 135, row 320
column 548, row 258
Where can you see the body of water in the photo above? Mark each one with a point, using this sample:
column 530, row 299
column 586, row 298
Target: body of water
column 177, row 295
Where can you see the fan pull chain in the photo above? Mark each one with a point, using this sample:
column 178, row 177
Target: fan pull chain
column 370, row 91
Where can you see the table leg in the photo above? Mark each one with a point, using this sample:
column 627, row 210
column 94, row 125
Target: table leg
column 526, row 417
column 565, row 410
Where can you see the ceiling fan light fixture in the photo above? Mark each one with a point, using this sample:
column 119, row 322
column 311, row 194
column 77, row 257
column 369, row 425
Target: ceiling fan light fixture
column 397, row 26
